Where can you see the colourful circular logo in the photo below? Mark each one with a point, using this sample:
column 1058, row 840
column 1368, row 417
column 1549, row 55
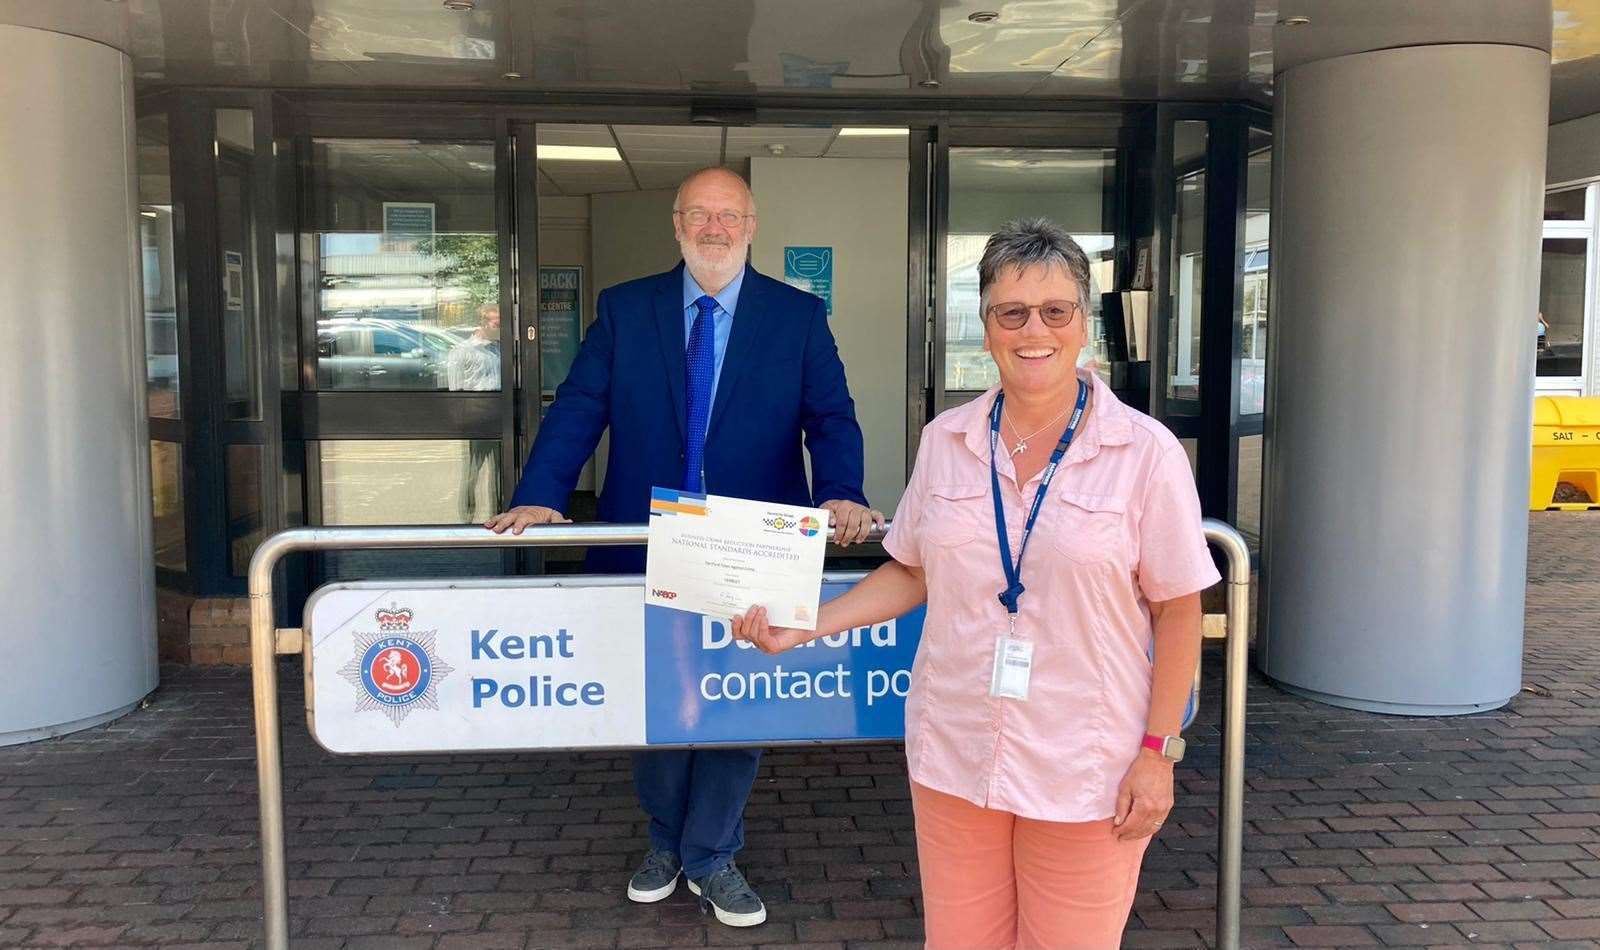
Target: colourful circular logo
column 809, row 526
column 395, row 671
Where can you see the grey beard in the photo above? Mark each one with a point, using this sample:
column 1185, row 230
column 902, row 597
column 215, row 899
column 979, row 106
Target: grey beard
column 725, row 271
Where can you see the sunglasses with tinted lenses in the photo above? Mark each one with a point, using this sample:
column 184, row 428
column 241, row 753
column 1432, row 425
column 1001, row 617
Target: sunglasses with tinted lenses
column 1054, row 313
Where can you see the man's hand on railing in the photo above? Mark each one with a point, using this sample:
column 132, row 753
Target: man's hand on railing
column 523, row 516
column 851, row 522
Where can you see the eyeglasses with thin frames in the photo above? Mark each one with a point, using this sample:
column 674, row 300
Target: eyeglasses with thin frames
column 699, row 217
column 1014, row 315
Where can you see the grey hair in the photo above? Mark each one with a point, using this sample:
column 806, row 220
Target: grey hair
column 1023, row 244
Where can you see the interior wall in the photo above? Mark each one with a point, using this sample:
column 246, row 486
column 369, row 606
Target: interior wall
column 630, row 235
column 858, row 208
column 564, row 240
column 1574, row 151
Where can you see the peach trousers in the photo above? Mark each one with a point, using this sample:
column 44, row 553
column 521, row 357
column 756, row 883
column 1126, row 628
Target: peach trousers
column 994, row 881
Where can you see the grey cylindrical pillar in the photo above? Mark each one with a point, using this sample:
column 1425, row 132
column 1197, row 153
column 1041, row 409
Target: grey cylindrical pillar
column 1408, row 192
column 76, row 575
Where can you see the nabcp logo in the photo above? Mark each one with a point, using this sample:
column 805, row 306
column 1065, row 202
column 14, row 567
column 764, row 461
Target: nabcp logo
column 663, row 594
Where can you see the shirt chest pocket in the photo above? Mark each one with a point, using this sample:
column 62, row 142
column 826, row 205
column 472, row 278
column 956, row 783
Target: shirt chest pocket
column 956, row 513
column 1088, row 528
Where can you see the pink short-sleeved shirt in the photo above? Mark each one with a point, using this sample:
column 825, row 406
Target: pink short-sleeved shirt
column 1120, row 528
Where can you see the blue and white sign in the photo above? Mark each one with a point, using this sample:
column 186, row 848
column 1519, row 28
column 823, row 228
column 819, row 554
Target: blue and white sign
column 701, row 685
column 810, row 269
column 504, row 665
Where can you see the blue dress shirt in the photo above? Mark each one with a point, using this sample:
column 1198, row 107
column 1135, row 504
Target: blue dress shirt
column 722, row 320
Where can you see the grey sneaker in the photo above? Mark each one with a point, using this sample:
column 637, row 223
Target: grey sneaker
column 656, row 878
column 730, row 896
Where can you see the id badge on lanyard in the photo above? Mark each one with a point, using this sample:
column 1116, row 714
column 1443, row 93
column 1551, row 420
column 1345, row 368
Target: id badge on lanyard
column 1013, row 667
column 1013, row 655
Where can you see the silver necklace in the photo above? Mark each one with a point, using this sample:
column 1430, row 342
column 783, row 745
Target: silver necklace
column 1022, row 441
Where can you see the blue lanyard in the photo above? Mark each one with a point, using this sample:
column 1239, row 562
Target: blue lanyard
column 1014, row 588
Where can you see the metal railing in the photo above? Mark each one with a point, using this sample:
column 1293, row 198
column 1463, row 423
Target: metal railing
column 267, row 640
column 1230, row 808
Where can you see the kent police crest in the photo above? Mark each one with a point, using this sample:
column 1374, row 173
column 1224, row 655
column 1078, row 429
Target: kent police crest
column 395, row 669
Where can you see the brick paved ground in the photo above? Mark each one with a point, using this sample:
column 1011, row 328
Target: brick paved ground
column 1364, row 830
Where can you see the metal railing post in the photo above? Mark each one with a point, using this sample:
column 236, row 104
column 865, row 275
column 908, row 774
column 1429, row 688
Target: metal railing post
column 269, row 751
column 1230, row 809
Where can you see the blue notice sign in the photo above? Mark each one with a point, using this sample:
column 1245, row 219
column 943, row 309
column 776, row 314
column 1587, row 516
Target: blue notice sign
column 403, row 219
column 560, row 323
column 810, row 269
column 702, row 686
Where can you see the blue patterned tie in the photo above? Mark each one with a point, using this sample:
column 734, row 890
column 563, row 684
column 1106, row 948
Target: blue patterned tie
column 700, row 363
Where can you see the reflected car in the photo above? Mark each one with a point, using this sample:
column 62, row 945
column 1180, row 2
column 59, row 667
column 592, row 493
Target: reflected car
column 357, row 352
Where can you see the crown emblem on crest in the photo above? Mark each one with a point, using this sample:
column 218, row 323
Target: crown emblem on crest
column 391, row 619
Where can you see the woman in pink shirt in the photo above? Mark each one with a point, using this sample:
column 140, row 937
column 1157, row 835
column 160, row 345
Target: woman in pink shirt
column 1054, row 534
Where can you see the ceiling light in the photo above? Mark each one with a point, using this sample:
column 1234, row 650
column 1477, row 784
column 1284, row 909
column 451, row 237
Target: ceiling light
column 511, row 74
column 149, row 214
column 866, row 132
column 460, row 6
column 1294, row 21
column 929, row 84
column 983, row 16
column 579, row 153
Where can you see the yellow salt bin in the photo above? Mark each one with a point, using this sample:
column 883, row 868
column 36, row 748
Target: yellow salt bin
column 1566, row 449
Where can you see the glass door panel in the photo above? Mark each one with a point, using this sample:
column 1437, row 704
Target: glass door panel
column 409, row 405
column 1562, row 272
column 1254, row 312
column 1186, row 268
column 407, row 265
column 988, row 187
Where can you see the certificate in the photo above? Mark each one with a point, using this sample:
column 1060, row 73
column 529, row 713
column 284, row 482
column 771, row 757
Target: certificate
column 721, row 556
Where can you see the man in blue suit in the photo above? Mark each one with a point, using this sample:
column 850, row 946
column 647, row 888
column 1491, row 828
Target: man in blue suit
column 709, row 377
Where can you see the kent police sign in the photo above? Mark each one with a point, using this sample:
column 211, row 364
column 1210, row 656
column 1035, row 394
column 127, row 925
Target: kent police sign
column 508, row 665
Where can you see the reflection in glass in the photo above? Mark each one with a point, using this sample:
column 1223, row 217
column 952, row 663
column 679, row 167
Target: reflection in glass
column 1561, row 279
column 424, row 481
column 236, row 232
column 1248, row 520
column 1188, row 264
column 1073, row 188
column 246, row 525
column 166, row 496
column 156, row 260
column 407, row 265
column 1565, row 205
column 1257, row 232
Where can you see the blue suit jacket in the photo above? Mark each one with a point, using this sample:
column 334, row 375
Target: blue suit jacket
column 782, row 381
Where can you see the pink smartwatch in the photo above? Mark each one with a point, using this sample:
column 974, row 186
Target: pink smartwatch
column 1170, row 748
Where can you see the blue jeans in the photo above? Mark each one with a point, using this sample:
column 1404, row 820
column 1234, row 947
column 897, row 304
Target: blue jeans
column 695, row 799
